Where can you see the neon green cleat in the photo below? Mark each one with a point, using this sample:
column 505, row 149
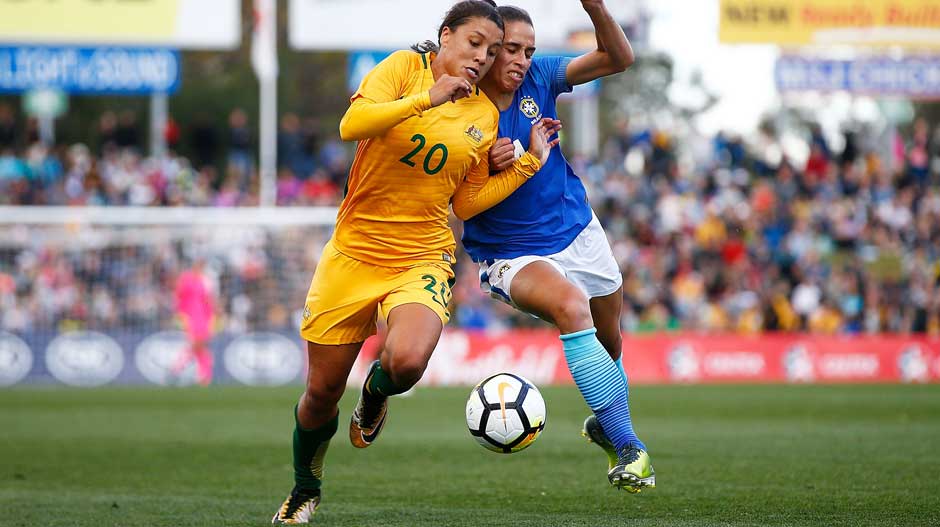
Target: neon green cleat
column 633, row 470
column 595, row 434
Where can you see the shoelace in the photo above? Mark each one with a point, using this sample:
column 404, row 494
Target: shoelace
column 371, row 408
column 296, row 501
column 628, row 454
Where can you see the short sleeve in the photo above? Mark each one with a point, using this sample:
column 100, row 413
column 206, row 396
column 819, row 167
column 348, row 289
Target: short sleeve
column 551, row 72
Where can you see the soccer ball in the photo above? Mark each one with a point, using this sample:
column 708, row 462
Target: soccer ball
column 505, row 413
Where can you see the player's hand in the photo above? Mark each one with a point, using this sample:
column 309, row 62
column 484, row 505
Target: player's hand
column 502, row 154
column 449, row 88
column 540, row 144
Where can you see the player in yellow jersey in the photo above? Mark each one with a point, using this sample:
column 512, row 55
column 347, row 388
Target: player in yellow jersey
column 422, row 128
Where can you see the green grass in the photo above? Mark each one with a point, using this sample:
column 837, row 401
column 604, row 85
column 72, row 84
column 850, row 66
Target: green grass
column 724, row 455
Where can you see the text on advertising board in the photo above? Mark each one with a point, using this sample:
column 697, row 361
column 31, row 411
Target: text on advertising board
column 89, row 70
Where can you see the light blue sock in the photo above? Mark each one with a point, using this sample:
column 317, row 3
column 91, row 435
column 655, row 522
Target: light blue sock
column 602, row 384
column 623, row 373
column 626, row 393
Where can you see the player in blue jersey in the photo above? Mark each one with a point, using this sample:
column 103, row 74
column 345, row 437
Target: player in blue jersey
column 543, row 250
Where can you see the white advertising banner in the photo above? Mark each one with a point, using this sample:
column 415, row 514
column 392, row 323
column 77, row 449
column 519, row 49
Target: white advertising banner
column 198, row 24
column 380, row 24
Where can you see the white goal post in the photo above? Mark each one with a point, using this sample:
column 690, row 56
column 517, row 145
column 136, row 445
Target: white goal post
column 84, row 291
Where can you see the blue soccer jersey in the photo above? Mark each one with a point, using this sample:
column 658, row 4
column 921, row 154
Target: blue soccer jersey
column 547, row 212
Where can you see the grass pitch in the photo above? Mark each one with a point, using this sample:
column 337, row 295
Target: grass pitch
column 724, row 455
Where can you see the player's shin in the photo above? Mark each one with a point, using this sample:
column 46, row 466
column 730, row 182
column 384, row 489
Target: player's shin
column 310, row 447
column 601, row 384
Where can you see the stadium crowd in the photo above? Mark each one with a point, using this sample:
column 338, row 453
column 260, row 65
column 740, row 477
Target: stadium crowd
column 218, row 172
column 732, row 239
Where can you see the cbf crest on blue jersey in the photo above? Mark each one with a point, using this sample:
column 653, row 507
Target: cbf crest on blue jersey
column 529, row 108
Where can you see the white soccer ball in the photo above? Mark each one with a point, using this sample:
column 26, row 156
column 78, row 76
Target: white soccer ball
column 505, row 413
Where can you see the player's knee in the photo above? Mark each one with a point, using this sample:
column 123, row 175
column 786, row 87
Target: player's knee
column 323, row 395
column 572, row 313
column 407, row 366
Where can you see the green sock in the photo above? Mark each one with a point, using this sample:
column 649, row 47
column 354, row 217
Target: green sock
column 380, row 383
column 309, row 450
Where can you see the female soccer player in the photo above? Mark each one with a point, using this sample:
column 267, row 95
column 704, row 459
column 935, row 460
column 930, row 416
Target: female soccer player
column 542, row 249
column 422, row 127
column 195, row 306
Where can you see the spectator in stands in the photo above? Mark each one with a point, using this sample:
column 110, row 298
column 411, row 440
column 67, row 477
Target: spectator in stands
column 7, row 127
column 127, row 133
column 674, row 231
column 288, row 187
column 240, row 142
column 107, row 132
column 204, row 141
column 319, row 189
column 918, row 155
column 290, row 144
column 171, row 133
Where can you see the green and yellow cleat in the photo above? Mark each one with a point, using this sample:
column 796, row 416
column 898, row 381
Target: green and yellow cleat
column 298, row 508
column 368, row 418
column 594, row 433
column 633, row 470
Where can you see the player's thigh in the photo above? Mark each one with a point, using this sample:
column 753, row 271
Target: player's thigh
column 427, row 285
column 541, row 289
column 342, row 301
column 589, row 262
column 497, row 276
column 417, row 309
column 329, row 366
column 413, row 333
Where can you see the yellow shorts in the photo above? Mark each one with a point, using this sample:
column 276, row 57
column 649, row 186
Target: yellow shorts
column 346, row 295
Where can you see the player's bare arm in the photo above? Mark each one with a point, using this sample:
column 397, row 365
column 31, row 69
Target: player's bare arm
column 613, row 54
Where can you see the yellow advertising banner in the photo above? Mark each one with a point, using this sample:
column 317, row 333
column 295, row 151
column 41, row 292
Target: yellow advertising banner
column 906, row 23
column 189, row 24
column 108, row 20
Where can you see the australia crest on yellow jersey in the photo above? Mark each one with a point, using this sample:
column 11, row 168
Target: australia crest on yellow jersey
column 474, row 134
column 529, row 108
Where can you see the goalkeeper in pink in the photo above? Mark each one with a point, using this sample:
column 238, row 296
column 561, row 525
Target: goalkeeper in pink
column 195, row 306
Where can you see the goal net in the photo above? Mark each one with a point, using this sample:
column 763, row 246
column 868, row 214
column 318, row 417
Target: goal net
column 85, row 291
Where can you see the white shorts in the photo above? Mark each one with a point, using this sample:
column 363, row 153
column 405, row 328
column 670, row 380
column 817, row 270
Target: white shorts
column 587, row 262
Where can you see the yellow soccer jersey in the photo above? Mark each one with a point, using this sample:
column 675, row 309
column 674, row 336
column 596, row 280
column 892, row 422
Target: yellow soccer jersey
column 400, row 184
